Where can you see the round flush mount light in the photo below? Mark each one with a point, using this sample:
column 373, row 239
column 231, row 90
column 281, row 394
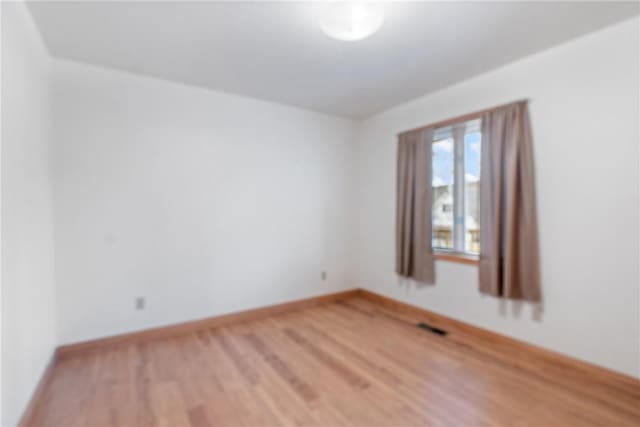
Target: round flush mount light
column 351, row 20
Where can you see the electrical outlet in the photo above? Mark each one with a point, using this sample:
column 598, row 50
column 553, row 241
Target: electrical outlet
column 323, row 275
column 139, row 303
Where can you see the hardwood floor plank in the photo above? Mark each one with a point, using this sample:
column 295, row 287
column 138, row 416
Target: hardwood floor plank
column 302, row 388
column 358, row 407
column 241, row 365
column 352, row 362
column 198, row 416
column 515, row 361
column 342, row 370
column 273, row 391
column 506, row 364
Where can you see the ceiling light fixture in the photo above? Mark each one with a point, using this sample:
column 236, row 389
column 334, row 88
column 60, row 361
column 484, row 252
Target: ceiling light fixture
column 351, row 20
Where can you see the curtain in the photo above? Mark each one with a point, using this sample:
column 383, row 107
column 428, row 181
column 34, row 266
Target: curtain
column 509, row 256
column 414, row 255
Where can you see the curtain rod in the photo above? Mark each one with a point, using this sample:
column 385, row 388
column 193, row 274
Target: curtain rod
column 463, row 118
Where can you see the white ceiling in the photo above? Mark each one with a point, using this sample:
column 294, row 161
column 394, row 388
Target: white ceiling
column 276, row 51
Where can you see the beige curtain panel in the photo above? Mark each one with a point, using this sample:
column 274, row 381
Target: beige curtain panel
column 414, row 255
column 509, row 255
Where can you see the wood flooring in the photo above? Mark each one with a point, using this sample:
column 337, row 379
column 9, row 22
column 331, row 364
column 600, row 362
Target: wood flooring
column 347, row 363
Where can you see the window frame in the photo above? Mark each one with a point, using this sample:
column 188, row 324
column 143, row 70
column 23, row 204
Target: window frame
column 457, row 131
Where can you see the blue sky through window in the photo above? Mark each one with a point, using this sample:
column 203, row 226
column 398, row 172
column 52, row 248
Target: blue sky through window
column 472, row 156
column 442, row 162
column 443, row 159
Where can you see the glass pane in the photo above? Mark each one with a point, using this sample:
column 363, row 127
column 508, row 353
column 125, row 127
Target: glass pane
column 472, row 141
column 442, row 183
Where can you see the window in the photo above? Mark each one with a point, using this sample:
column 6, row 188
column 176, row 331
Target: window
column 456, row 188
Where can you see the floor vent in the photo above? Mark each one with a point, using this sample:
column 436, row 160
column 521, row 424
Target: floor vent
column 432, row 329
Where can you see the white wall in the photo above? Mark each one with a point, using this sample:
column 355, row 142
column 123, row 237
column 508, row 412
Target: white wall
column 202, row 202
column 28, row 317
column 585, row 114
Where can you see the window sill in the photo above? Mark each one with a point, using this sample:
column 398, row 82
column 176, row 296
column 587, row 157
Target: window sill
column 457, row 257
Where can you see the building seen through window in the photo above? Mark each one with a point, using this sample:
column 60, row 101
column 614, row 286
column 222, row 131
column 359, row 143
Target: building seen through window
column 456, row 187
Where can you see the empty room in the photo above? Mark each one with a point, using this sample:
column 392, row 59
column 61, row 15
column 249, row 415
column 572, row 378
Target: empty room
column 329, row 213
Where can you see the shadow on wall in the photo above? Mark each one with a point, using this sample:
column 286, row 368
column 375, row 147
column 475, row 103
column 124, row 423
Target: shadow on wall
column 504, row 305
column 517, row 307
column 406, row 283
